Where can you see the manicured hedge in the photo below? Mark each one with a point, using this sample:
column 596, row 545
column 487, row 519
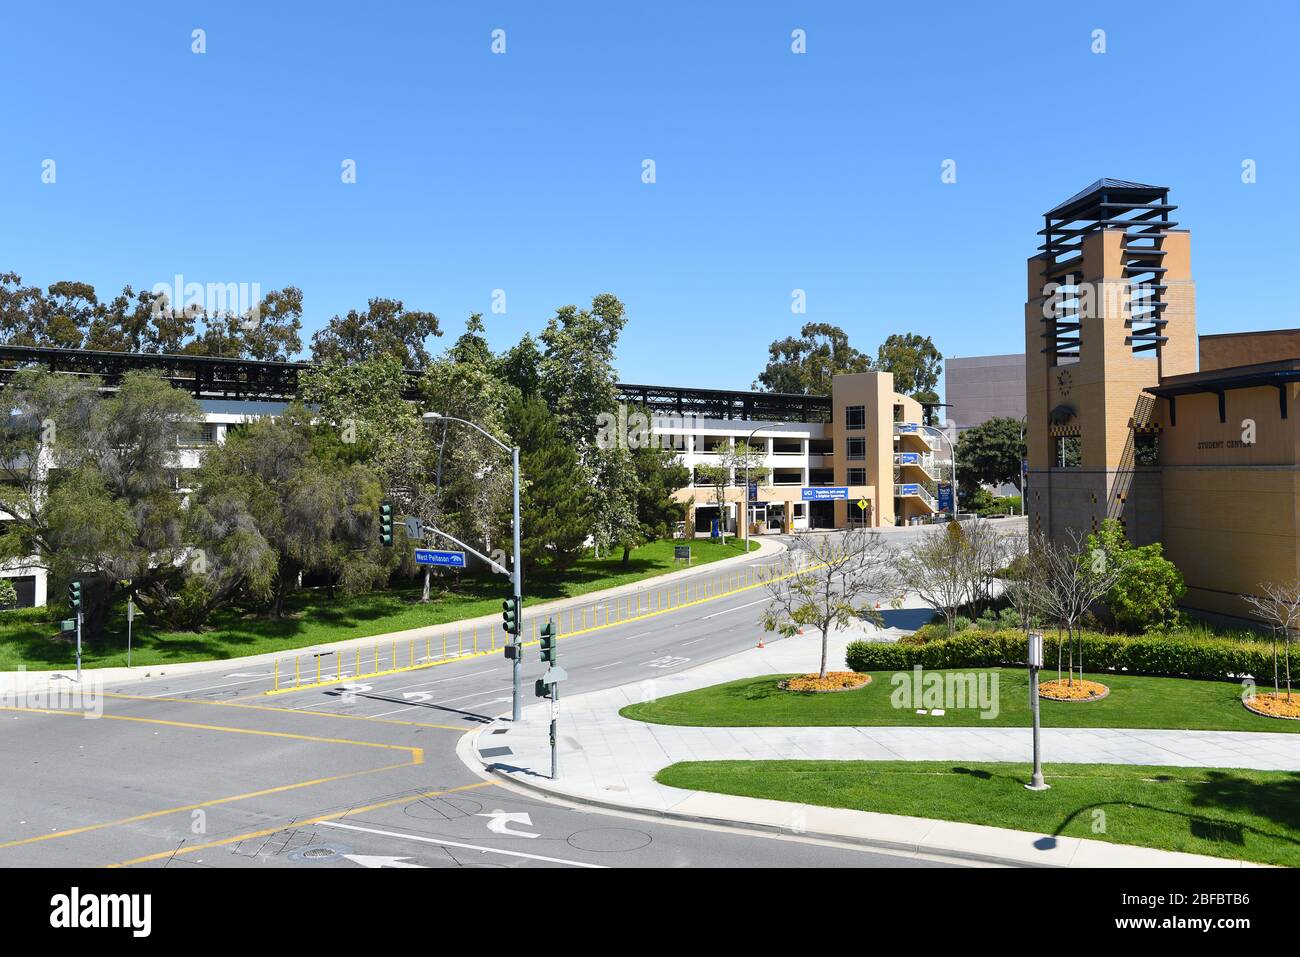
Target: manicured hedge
column 1223, row 658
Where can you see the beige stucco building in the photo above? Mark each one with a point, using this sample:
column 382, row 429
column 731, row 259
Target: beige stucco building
column 1185, row 440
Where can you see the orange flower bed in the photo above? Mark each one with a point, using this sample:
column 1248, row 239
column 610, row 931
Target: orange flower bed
column 1274, row 705
column 1063, row 690
column 834, row 681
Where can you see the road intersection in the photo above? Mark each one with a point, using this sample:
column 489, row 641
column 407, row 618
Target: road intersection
column 207, row 770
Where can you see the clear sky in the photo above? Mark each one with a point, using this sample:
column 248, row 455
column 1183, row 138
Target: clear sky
column 522, row 171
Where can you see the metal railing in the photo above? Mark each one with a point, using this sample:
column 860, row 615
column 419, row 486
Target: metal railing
column 463, row 641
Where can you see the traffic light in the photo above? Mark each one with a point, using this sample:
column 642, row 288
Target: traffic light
column 542, row 689
column 74, row 596
column 510, row 615
column 548, row 640
column 386, row 524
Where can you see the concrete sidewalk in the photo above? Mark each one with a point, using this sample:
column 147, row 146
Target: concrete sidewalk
column 611, row 761
column 22, row 682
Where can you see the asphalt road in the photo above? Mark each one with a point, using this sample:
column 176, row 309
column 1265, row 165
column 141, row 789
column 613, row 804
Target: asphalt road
column 208, row 771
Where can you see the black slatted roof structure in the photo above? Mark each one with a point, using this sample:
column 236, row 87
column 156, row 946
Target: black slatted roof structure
column 1142, row 212
column 206, row 377
column 727, row 404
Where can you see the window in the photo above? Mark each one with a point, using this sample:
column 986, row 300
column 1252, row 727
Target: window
column 857, row 476
column 1146, row 449
column 857, row 448
column 1068, row 455
column 798, row 509
column 855, row 416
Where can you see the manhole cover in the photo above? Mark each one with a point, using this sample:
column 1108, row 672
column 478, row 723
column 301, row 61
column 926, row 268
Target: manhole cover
column 316, row 853
column 610, row 840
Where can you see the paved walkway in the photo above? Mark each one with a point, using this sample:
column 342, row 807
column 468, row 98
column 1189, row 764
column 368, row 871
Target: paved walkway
column 609, row 760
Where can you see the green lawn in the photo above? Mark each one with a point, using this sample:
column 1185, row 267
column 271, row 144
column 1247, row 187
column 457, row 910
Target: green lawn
column 1134, row 702
column 1246, row 815
column 28, row 636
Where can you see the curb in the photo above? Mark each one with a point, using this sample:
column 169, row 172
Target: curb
column 492, row 772
column 767, row 547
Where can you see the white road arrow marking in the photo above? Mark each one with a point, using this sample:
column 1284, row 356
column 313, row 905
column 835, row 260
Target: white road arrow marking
column 250, row 674
column 501, row 820
column 374, row 860
column 472, row 847
column 417, row 695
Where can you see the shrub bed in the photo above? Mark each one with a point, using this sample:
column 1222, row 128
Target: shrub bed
column 1156, row 654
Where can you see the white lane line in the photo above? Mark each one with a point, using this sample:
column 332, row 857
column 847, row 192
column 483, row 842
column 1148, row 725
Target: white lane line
column 472, row 847
column 641, row 635
column 419, row 684
column 428, row 704
column 724, row 611
column 694, row 640
column 610, row 665
column 229, row 684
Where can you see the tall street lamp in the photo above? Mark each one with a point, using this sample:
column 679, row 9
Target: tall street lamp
column 516, row 571
column 746, row 516
column 952, row 449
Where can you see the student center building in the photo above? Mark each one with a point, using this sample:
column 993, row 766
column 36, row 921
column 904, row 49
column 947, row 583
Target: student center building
column 1186, row 440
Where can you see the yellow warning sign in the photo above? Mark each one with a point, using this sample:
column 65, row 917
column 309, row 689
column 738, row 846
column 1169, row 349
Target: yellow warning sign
column 863, row 503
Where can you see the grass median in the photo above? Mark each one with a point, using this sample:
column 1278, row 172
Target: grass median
column 1244, row 815
column 1134, row 702
column 28, row 636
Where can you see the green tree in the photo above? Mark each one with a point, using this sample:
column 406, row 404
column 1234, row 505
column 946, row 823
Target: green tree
column 914, row 361
column 659, row 474
column 315, row 512
column 990, row 454
column 556, row 497
column 90, row 483
column 386, row 327
column 805, row 364
column 520, row 366
column 1148, row 586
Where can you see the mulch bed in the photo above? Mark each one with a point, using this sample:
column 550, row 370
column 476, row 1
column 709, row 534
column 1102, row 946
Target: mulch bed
column 834, row 681
column 1063, row 690
column 1272, row 705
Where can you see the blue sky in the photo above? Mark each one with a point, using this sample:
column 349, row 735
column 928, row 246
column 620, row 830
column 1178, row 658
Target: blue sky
column 522, row 171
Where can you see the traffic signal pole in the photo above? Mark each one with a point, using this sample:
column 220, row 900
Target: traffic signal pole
column 516, row 575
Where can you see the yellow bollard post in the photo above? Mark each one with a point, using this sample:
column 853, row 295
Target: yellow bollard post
column 297, row 672
column 357, row 670
column 277, row 674
column 318, row 658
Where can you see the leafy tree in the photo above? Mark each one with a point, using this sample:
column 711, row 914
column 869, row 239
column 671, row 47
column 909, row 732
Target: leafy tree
column 520, row 366
column 386, row 327
column 914, row 361
column 555, row 497
column 1148, row 586
column 8, row 593
column 315, row 512
column 732, row 461
column 90, row 483
column 990, row 454
column 843, row 575
column 806, row 364
column 659, row 474
column 472, row 475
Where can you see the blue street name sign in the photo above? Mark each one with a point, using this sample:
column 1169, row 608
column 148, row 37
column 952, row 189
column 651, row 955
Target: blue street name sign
column 434, row 556
column 825, row 494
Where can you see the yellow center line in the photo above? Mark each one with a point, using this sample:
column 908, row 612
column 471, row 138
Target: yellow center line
column 265, row 832
column 262, row 707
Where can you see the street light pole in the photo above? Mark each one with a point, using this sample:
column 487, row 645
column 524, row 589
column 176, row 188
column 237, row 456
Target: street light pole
column 1036, row 782
column 516, row 570
column 746, row 516
column 953, row 450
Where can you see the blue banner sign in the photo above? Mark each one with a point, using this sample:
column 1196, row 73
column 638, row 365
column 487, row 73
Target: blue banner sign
column 826, row 494
column 909, row 458
column 945, row 496
column 434, row 556
column 906, row 427
column 909, row 489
